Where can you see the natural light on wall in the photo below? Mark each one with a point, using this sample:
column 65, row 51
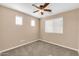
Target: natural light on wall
column 19, row 20
column 54, row 25
column 33, row 23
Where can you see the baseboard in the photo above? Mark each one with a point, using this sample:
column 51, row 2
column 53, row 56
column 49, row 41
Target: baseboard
column 17, row 46
column 61, row 45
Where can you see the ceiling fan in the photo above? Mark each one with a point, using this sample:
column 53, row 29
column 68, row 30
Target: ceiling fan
column 42, row 8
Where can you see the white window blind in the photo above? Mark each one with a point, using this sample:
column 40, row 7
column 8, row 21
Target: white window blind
column 54, row 26
column 33, row 23
column 19, row 20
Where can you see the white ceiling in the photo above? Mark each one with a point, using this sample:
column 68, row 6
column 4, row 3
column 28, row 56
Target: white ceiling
column 28, row 8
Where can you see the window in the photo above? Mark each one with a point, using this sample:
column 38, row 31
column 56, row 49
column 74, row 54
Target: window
column 33, row 23
column 19, row 20
column 54, row 25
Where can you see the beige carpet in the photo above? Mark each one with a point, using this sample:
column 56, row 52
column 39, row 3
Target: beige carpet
column 40, row 48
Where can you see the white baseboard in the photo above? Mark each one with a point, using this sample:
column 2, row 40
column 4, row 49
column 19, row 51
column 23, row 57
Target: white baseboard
column 60, row 45
column 17, row 46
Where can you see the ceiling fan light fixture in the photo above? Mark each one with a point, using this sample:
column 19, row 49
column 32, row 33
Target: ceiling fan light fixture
column 42, row 8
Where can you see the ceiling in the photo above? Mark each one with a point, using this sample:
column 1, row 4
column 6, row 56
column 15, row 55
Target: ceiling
column 28, row 8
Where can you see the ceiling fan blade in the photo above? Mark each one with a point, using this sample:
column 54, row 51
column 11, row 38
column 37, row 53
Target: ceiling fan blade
column 35, row 6
column 35, row 11
column 45, row 5
column 48, row 10
column 42, row 13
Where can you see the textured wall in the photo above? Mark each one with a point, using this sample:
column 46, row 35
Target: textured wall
column 70, row 36
column 12, row 35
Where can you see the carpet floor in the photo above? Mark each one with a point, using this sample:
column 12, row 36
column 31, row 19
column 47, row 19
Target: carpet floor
column 40, row 48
